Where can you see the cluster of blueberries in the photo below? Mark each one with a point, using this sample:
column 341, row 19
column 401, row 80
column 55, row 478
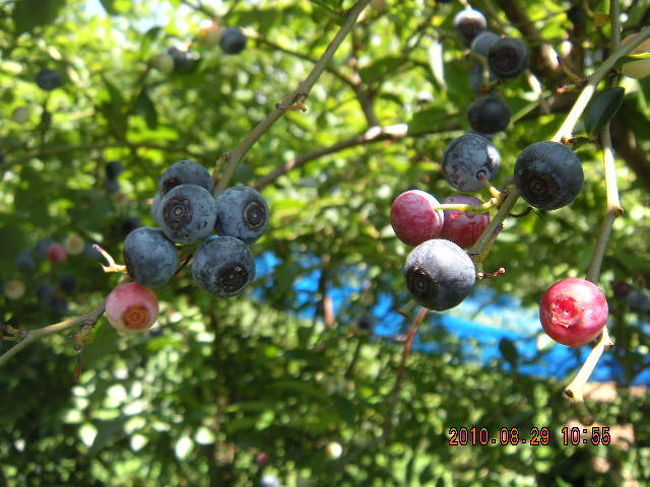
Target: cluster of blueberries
column 187, row 213
column 439, row 274
column 231, row 41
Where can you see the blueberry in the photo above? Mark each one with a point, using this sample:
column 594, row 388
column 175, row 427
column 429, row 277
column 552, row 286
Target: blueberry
column 243, row 213
column 233, row 40
column 59, row 306
column 185, row 172
column 68, row 284
column 151, row 258
column 25, row 261
column 488, row 114
column 184, row 61
column 48, row 79
column 548, row 175
column 439, row 274
column 44, row 293
column 469, row 23
column 113, row 169
column 223, row 266
column 41, row 247
column 187, row 213
column 366, row 322
column 482, row 43
column 468, row 158
column 508, row 57
column 128, row 224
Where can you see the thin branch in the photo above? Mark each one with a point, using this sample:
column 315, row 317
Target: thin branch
column 401, row 371
column 566, row 130
column 298, row 95
column 374, row 134
column 31, row 336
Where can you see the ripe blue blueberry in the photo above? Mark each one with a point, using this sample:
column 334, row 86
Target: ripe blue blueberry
column 151, row 258
column 488, row 114
column 439, row 274
column 233, row 40
column 548, row 175
column 467, row 160
column 184, row 61
column 25, row 261
column 508, row 57
column 243, row 213
column 68, row 284
column 48, row 79
column 112, row 185
column 113, row 169
column 223, row 266
column 44, row 293
column 469, row 22
column 187, row 213
column 483, row 41
column 185, row 172
column 59, row 306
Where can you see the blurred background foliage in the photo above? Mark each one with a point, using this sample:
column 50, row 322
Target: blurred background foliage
column 223, row 392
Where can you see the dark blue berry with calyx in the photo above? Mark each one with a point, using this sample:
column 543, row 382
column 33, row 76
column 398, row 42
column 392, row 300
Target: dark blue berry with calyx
column 151, row 258
column 508, row 57
column 243, row 213
column 223, row 266
column 468, row 159
column 439, row 274
column 187, row 213
column 548, row 175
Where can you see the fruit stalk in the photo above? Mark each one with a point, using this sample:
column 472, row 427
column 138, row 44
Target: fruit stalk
column 299, row 94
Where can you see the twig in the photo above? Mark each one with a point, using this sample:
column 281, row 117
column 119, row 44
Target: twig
column 31, row 336
column 299, row 94
column 399, row 379
column 566, row 130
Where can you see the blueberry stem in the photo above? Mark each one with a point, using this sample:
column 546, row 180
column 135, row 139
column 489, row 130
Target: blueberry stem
column 566, row 130
column 299, row 93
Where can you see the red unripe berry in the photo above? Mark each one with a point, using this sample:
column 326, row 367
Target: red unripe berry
column 414, row 217
column 56, row 253
column 131, row 307
column 573, row 311
column 462, row 227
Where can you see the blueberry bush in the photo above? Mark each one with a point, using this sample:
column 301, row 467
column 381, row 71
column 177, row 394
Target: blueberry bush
column 173, row 168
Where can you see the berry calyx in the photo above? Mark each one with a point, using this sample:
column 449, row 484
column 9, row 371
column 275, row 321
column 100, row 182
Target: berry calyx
column 414, row 218
column 573, row 311
column 131, row 307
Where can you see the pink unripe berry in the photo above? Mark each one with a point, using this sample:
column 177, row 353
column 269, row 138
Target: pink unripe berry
column 462, row 227
column 414, row 217
column 56, row 253
column 131, row 307
column 14, row 289
column 573, row 311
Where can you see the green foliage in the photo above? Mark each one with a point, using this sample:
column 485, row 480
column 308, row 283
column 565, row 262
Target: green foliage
column 219, row 381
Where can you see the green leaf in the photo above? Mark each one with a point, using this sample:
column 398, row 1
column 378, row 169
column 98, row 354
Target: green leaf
column 109, row 6
column 602, row 108
column 381, row 68
column 33, row 13
column 145, row 107
column 426, row 121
